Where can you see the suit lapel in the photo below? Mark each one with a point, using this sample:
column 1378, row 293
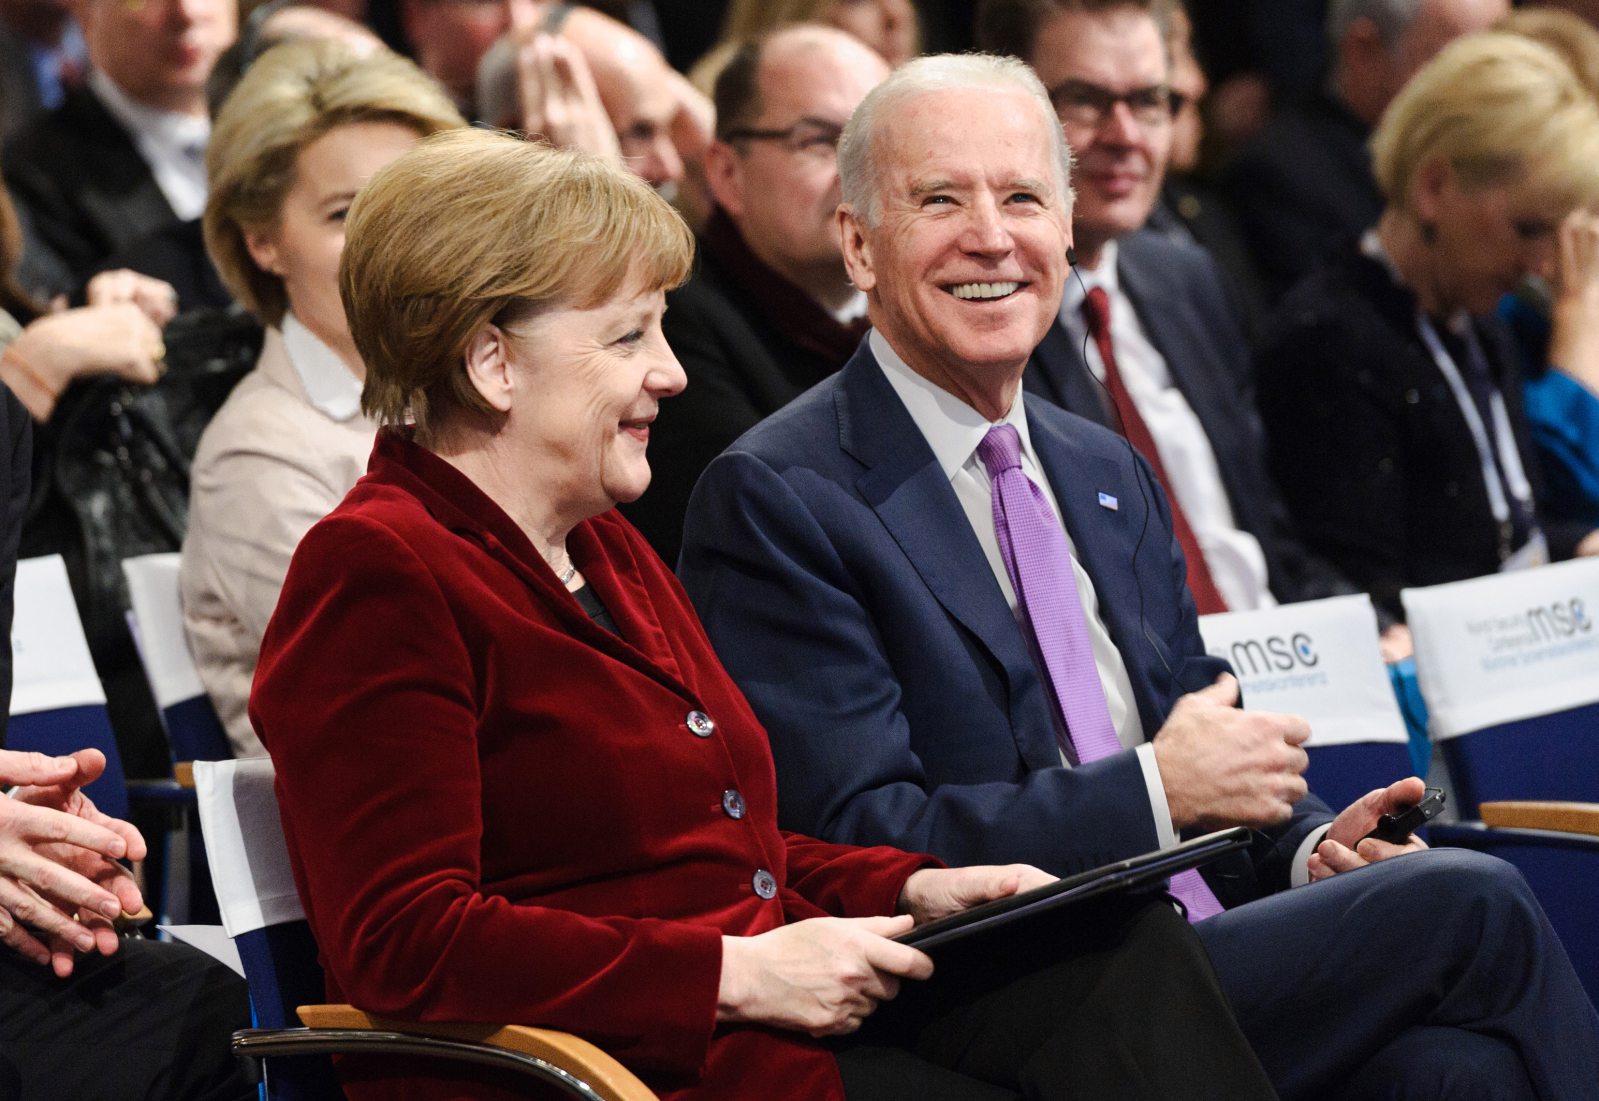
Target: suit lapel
column 1058, row 373
column 905, row 485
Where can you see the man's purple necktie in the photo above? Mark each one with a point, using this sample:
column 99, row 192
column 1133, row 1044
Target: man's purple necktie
column 1039, row 563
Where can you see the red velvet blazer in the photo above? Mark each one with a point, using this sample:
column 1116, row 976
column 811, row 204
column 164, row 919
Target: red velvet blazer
column 498, row 811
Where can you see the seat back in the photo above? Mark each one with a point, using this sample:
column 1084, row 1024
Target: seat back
column 1320, row 659
column 193, row 730
column 261, row 911
column 1509, row 666
column 57, row 702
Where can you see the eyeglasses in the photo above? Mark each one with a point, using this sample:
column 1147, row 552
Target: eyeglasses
column 809, row 137
column 1086, row 104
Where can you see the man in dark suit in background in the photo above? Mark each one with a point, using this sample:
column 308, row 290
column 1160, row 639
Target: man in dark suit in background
column 965, row 628
column 770, row 311
column 1148, row 341
column 124, row 156
column 1303, row 185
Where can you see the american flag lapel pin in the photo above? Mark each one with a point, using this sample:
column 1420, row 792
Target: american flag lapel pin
column 1107, row 501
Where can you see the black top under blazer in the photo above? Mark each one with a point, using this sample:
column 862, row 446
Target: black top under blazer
column 1372, row 451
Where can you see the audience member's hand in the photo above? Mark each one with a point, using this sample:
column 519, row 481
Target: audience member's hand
column 123, row 287
column 694, row 124
column 1224, row 767
column 823, row 976
column 1589, row 546
column 1397, row 643
column 1343, row 849
column 1574, row 333
column 93, row 340
column 933, row 893
column 560, row 102
column 58, row 853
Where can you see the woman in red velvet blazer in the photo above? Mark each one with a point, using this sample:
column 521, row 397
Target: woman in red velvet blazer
column 516, row 783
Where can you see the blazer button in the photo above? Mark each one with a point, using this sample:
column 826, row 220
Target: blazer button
column 733, row 803
column 700, row 724
column 765, row 884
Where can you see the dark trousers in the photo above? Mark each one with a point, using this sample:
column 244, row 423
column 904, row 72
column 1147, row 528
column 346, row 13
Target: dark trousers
column 1432, row 976
column 152, row 1021
column 1117, row 1001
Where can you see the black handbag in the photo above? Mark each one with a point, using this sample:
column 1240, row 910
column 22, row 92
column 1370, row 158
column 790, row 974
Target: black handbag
column 111, row 481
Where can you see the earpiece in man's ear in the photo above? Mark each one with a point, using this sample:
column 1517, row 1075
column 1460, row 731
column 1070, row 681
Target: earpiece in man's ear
column 1071, row 257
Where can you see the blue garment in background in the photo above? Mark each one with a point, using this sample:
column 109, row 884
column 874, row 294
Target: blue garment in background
column 1563, row 415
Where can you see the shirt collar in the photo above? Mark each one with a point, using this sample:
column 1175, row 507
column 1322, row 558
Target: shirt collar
column 953, row 429
column 1078, row 285
column 330, row 385
column 171, row 129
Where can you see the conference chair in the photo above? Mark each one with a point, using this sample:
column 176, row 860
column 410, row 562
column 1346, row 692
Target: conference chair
column 295, row 1034
column 1509, row 667
column 193, row 731
column 1321, row 659
column 57, row 703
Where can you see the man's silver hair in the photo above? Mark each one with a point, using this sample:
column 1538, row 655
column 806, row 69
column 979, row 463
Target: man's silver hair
column 1392, row 18
column 857, row 148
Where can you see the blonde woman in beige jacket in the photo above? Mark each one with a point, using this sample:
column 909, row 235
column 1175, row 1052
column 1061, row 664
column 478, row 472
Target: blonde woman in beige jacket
column 308, row 124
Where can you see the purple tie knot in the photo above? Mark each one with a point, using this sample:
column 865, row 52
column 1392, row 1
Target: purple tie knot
column 1001, row 450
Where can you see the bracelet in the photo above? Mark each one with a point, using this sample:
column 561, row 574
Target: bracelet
column 11, row 356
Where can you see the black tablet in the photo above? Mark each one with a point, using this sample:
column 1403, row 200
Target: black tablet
column 1123, row 875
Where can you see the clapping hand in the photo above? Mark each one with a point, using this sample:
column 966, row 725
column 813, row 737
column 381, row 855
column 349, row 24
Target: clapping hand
column 560, row 102
column 59, row 876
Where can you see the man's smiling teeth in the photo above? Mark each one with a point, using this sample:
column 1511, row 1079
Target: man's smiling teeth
column 983, row 290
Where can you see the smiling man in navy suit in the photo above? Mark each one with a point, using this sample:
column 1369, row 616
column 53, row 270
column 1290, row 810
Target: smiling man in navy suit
column 961, row 613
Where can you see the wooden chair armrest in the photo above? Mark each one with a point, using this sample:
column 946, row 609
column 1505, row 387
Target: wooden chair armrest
column 1561, row 817
column 604, row 1074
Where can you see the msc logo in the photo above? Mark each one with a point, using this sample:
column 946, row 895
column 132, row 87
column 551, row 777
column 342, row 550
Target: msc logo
column 1252, row 657
column 1562, row 619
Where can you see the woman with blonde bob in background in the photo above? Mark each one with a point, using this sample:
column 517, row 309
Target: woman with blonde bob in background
column 553, row 806
column 1390, row 392
column 306, row 126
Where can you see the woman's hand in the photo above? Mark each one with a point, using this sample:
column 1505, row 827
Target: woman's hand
column 822, row 977
column 92, row 340
column 123, row 287
column 1574, row 337
column 933, row 893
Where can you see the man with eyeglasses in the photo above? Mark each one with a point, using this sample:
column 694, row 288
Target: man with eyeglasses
column 770, row 311
column 1148, row 341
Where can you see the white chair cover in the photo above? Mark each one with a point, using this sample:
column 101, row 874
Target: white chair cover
column 1507, row 646
column 51, row 667
column 1319, row 659
column 244, row 844
column 153, row 590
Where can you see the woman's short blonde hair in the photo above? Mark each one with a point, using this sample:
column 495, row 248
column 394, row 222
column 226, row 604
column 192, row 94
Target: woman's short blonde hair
column 1570, row 36
column 473, row 228
column 290, row 97
column 1500, row 109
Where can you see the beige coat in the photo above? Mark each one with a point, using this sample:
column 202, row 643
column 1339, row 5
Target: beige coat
column 269, row 465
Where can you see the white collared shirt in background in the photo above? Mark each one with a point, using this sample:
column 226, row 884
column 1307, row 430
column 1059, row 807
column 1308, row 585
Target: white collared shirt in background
column 171, row 143
column 328, row 381
column 1237, row 564
column 953, row 430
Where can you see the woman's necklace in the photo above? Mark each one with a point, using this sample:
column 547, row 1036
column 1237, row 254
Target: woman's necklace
column 571, row 568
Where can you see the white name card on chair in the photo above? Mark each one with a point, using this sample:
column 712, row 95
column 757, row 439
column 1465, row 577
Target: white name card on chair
column 1507, row 646
column 1319, row 659
column 51, row 666
column 153, row 591
column 244, row 844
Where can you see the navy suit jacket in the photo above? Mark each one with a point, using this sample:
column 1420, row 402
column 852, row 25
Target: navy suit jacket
column 845, row 590
column 1181, row 298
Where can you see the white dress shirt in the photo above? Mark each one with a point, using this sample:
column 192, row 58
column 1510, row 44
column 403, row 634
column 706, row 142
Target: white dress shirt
column 1237, row 564
column 171, row 143
column 953, row 430
column 328, row 381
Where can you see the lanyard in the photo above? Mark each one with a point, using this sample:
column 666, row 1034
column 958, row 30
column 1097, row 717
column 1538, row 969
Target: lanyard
column 1509, row 458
